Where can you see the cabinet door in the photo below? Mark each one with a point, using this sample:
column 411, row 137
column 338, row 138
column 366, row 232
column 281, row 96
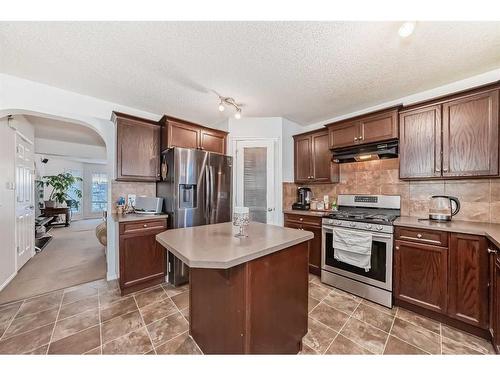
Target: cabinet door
column 344, row 135
column 142, row 260
column 314, row 249
column 182, row 135
column 321, row 157
column 213, row 141
column 470, row 135
column 420, row 275
column 381, row 127
column 468, row 279
column 496, row 303
column 302, row 159
column 138, row 151
column 420, row 143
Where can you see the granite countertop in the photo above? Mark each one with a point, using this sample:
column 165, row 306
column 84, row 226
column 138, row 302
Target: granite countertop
column 214, row 246
column 491, row 231
column 121, row 218
column 307, row 212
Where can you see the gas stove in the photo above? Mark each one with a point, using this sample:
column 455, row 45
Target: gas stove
column 362, row 213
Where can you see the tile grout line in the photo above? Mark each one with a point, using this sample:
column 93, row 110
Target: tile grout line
column 145, row 326
column 55, row 324
column 189, row 291
column 390, row 330
column 10, row 322
column 345, row 323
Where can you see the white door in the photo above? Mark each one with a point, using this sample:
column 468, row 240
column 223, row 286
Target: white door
column 255, row 184
column 25, row 196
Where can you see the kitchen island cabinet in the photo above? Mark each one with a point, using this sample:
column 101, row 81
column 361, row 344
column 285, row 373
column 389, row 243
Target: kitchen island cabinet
column 249, row 296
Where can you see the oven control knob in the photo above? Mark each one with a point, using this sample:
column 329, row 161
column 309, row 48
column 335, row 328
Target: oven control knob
column 379, row 227
column 368, row 226
column 352, row 224
column 330, row 221
column 338, row 223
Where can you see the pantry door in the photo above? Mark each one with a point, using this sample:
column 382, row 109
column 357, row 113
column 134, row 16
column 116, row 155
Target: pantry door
column 25, row 197
column 255, row 182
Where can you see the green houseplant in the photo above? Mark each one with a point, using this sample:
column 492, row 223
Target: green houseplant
column 60, row 185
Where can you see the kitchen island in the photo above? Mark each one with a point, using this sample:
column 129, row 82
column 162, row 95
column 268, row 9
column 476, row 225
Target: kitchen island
column 247, row 295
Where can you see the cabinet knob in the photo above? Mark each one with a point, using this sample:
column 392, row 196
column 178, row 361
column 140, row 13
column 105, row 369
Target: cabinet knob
column 397, row 247
column 301, row 219
column 492, row 251
column 145, row 225
column 419, row 235
column 355, row 139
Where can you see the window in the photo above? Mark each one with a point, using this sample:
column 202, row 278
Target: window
column 99, row 195
column 76, row 205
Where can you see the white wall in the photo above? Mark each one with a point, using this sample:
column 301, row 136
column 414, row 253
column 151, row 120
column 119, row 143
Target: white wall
column 21, row 96
column 290, row 128
column 7, row 204
column 69, row 149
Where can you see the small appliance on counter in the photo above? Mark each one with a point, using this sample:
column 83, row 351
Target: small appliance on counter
column 148, row 205
column 304, row 196
column 441, row 207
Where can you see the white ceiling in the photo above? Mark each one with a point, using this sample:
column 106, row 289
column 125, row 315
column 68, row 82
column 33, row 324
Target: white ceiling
column 304, row 71
column 57, row 130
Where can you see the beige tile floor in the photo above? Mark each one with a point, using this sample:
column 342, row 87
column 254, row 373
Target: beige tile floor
column 94, row 319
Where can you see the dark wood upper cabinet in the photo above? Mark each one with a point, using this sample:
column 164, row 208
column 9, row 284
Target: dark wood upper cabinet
column 451, row 137
column 420, row 143
column 213, row 140
column 312, row 158
column 468, row 279
column 344, row 135
column 421, row 275
column 180, row 133
column 138, row 148
column 470, row 135
column 375, row 127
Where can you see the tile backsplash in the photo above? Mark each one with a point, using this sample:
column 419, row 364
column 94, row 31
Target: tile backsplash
column 479, row 198
column 122, row 189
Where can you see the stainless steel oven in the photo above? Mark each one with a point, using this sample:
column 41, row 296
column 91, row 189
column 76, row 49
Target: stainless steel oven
column 375, row 284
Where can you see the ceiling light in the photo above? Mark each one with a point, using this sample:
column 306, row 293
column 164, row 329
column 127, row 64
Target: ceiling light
column 406, row 29
column 227, row 101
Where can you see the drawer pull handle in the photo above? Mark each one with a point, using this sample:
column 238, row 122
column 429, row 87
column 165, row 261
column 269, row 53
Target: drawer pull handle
column 419, row 235
column 492, row 251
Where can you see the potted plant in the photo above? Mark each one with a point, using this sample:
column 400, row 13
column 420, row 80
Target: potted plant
column 60, row 185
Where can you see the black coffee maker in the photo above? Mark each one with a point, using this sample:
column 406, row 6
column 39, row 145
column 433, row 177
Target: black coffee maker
column 304, row 196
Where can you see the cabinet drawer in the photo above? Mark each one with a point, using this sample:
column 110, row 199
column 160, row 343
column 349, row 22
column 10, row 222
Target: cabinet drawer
column 142, row 226
column 303, row 219
column 425, row 236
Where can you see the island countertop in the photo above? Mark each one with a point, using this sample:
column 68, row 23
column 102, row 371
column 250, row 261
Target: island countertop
column 214, row 246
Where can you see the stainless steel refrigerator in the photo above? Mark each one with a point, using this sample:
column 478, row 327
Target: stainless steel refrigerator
column 196, row 189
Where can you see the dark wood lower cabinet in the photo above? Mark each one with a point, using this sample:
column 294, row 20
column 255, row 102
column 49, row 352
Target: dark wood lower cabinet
column 450, row 283
column 495, row 297
column 468, row 279
column 420, row 275
column 311, row 224
column 142, row 259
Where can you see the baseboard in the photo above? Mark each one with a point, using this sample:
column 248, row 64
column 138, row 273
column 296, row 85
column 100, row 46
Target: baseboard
column 6, row 282
column 110, row 277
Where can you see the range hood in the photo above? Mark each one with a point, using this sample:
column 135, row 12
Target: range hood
column 374, row 151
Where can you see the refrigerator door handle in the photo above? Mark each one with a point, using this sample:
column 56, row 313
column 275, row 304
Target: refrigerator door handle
column 207, row 193
column 213, row 202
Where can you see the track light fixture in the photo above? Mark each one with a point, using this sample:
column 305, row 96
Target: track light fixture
column 227, row 101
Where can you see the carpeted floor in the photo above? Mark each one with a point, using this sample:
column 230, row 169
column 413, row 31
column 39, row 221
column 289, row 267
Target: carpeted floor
column 74, row 256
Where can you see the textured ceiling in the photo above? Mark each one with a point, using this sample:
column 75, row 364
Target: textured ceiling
column 64, row 131
column 305, row 71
